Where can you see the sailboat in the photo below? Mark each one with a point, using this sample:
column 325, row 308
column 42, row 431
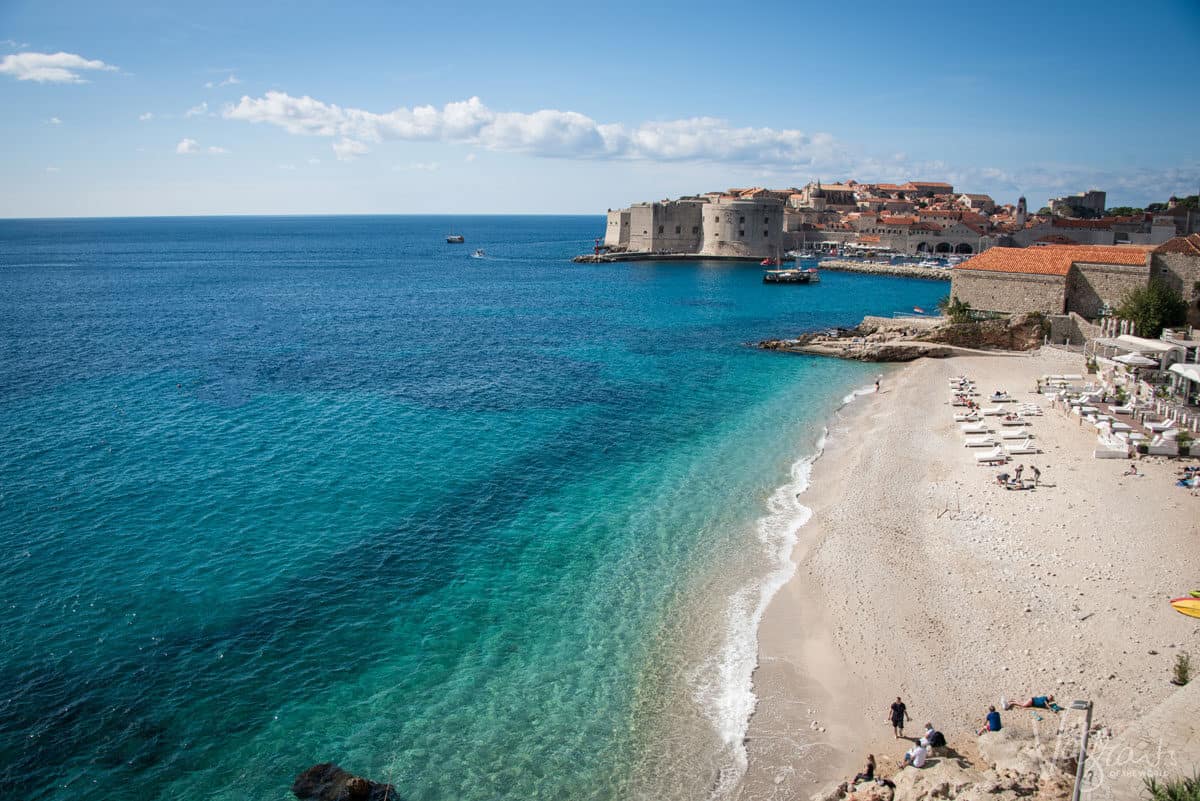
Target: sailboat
column 455, row 239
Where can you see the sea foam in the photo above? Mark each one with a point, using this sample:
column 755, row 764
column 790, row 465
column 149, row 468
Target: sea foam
column 724, row 684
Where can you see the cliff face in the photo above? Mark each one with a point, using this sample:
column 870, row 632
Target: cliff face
column 1018, row 332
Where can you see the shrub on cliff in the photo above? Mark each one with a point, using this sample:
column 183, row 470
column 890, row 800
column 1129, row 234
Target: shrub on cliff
column 1152, row 308
column 959, row 311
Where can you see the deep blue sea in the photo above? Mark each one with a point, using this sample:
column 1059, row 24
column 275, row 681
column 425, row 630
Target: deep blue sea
column 279, row 491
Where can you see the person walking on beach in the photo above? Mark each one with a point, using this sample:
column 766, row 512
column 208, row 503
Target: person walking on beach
column 899, row 713
column 877, row 385
column 1037, row 474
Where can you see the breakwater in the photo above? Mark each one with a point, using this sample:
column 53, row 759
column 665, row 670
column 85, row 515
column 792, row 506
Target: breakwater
column 605, row 258
column 903, row 270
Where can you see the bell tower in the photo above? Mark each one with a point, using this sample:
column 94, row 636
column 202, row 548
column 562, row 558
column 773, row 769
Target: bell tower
column 1022, row 212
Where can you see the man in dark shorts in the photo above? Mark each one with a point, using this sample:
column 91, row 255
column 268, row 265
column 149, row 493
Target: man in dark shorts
column 899, row 713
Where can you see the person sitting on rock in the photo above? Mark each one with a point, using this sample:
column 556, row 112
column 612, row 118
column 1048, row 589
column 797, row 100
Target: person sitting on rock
column 991, row 721
column 915, row 756
column 932, row 738
column 867, row 775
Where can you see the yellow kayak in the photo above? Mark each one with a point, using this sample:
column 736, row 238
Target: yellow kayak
column 1188, row 605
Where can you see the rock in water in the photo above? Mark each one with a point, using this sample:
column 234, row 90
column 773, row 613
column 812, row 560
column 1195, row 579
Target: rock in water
column 328, row 782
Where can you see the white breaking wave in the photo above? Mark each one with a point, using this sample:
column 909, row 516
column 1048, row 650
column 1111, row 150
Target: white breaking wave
column 724, row 684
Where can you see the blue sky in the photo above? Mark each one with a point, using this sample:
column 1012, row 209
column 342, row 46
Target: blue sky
column 310, row 107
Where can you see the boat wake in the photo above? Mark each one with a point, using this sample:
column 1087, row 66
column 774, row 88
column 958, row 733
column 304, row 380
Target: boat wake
column 723, row 685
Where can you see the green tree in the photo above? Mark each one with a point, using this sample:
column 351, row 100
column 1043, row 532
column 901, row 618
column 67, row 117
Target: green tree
column 1152, row 308
column 1044, row 211
column 1124, row 211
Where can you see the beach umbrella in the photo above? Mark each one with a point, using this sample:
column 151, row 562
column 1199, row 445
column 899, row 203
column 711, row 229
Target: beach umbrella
column 1135, row 360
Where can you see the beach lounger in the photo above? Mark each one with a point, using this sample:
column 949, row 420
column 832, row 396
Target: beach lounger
column 996, row 456
column 992, row 410
column 1126, row 409
column 980, row 442
column 1018, row 422
column 1026, row 446
column 1159, row 427
column 1015, row 434
column 974, row 428
column 966, row 417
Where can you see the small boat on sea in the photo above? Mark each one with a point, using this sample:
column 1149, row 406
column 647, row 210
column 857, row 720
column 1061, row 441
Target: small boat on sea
column 455, row 239
column 478, row 254
column 793, row 276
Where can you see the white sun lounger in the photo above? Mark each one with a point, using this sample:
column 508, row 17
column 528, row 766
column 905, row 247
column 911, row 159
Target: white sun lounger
column 995, row 456
column 993, row 410
column 1026, row 446
column 980, row 442
column 1018, row 422
column 966, row 417
column 974, row 428
column 1014, row 434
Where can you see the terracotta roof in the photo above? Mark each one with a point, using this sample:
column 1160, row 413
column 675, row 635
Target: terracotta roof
column 977, row 197
column 1189, row 245
column 938, row 184
column 897, row 220
column 1053, row 259
column 889, row 187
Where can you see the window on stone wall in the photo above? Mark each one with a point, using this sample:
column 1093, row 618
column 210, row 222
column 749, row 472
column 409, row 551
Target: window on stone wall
column 660, row 229
column 766, row 234
column 741, row 233
column 741, row 219
column 717, row 218
column 695, row 229
column 766, row 220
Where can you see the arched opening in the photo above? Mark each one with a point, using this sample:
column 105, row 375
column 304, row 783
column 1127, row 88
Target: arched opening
column 923, row 247
column 943, row 247
column 963, row 247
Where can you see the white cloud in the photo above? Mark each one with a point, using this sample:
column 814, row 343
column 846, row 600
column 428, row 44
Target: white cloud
column 53, row 169
column 287, row 166
column 232, row 80
column 13, row 43
column 547, row 132
column 146, row 117
column 54, row 121
column 314, row 162
column 50, row 67
column 470, row 157
column 348, row 149
column 196, row 111
column 190, row 147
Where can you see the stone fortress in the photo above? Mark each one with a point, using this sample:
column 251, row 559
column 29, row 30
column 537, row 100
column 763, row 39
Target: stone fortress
column 713, row 225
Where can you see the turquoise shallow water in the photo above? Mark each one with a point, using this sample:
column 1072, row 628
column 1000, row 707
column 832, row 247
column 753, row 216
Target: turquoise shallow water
column 276, row 491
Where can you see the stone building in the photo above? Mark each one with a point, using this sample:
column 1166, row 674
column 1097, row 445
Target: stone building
column 709, row 225
column 1091, row 200
column 1177, row 263
column 1052, row 279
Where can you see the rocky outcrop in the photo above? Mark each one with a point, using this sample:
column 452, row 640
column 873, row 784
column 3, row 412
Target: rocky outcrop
column 903, row 340
column 1009, row 769
column 328, row 782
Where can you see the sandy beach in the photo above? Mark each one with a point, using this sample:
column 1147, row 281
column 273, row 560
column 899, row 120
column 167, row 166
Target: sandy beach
column 919, row 576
